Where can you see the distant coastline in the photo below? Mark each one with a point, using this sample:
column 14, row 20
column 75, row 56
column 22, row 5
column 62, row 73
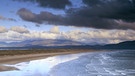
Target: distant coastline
column 122, row 45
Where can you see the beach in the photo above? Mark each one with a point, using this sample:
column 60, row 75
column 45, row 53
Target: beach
column 9, row 58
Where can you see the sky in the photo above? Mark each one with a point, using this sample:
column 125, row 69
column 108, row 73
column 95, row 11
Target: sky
column 86, row 21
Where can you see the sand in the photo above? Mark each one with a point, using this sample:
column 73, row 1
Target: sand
column 23, row 58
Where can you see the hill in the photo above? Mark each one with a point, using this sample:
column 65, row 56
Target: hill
column 121, row 45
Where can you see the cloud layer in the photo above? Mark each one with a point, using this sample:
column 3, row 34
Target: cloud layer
column 101, row 14
column 91, row 37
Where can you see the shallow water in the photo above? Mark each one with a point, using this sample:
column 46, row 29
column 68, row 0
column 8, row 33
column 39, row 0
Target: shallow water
column 117, row 63
column 113, row 63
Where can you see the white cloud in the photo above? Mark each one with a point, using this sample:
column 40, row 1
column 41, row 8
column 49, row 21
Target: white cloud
column 19, row 29
column 100, row 36
column 55, row 29
column 3, row 29
column 8, row 19
column 41, row 35
column 12, row 36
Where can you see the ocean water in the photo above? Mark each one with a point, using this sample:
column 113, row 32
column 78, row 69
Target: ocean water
column 111, row 63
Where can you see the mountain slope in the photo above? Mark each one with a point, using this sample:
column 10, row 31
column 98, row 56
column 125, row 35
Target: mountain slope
column 51, row 43
column 122, row 45
column 45, row 42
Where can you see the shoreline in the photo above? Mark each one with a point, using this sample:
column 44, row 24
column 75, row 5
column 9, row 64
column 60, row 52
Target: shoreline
column 14, row 59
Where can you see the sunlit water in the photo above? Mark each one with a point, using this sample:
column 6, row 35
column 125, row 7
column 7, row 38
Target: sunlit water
column 116, row 63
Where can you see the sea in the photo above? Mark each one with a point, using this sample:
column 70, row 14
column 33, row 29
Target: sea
column 98, row 63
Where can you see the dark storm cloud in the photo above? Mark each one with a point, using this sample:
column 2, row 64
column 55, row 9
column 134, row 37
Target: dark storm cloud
column 102, row 14
column 54, row 3
column 112, row 9
column 57, row 4
column 43, row 17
